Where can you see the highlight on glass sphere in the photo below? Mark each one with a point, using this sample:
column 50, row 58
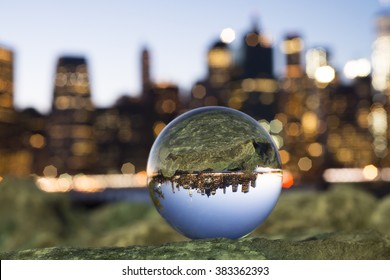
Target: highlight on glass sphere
column 214, row 172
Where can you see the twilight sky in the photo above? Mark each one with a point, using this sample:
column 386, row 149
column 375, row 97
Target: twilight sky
column 111, row 34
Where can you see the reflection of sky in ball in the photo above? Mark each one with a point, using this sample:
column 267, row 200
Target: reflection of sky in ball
column 230, row 214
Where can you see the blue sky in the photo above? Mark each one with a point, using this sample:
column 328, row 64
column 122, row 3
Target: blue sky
column 111, row 34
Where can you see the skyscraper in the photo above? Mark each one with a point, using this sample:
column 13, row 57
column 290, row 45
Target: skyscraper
column 316, row 58
column 71, row 143
column 213, row 90
column 6, row 81
column 381, row 53
column 219, row 63
column 292, row 48
column 380, row 82
column 257, row 55
column 14, row 158
column 253, row 88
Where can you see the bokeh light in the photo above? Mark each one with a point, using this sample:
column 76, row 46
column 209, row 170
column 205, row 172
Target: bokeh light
column 228, row 35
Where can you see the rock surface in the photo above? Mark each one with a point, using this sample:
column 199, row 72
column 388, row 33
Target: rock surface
column 359, row 245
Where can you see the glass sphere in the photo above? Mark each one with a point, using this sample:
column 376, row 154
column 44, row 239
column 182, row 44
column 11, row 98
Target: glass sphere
column 214, row 172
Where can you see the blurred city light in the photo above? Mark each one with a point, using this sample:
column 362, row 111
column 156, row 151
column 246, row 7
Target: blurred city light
column 228, row 35
column 294, row 45
column 357, row 68
column 315, row 58
column 324, row 74
column 288, row 179
column 317, row 121
column 370, row 172
column 91, row 183
column 355, row 175
column 305, row 164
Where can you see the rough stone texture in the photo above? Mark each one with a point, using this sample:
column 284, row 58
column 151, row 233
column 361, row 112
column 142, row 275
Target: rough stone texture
column 212, row 138
column 154, row 231
column 366, row 245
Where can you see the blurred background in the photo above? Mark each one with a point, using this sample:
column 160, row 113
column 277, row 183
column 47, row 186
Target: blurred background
column 86, row 88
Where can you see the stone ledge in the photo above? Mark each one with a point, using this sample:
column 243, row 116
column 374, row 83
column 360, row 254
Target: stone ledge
column 355, row 245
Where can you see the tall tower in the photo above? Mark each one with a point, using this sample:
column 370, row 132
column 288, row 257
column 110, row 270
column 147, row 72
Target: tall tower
column 71, row 141
column 146, row 79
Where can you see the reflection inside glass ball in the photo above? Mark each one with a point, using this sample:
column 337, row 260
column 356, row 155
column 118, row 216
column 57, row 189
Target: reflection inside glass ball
column 214, row 172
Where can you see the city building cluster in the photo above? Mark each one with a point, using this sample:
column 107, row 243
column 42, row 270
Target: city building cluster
column 320, row 124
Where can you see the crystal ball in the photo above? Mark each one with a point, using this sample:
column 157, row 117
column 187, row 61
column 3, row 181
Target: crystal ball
column 214, row 172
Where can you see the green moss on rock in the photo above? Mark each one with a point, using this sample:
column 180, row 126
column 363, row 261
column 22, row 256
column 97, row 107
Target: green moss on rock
column 358, row 245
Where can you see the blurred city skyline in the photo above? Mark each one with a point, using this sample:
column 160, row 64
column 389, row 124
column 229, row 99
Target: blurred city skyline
column 112, row 34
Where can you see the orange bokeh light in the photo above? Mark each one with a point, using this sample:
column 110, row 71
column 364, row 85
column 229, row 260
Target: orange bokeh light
column 288, row 179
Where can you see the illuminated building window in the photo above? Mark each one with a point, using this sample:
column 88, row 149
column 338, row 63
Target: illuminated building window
column 82, row 131
column 284, row 156
column 248, row 85
column 345, row 155
column 381, row 63
column 276, row 126
column 281, row 117
column 128, row 168
column 199, row 91
column 168, row 106
column 334, row 141
column 252, row 39
column 264, row 41
column 62, row 102
column 82, row 148
column 235, row 103
column 293, row 45
column 315, row 58
column 313, row 102
column 37, row 141
column 310, row 123
column 315, row 149
column 61, row 80
column 219, row 58
column 293, row 129
column 50, row 171
column 294, row 71
column 266, row 85
column 305, row 164
column 157, row 127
